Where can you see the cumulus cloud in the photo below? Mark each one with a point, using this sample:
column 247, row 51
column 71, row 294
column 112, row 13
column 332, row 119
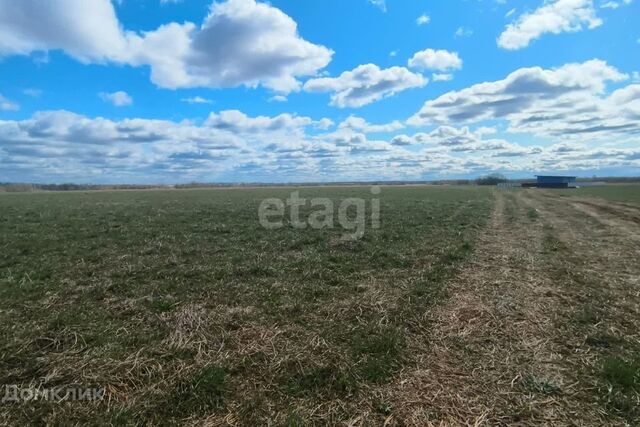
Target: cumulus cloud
column 365, row 84
column 441, row 60
column 88, row 31
column 463, row 150
column 53, row 127
column 238, row 122
column 555, row 17
column 358, row 123
column 456, row 139
column 61, row 143
column 62, row 146
column 353, row 142
column 566, row 102
column 240, row 42
column 118, row 99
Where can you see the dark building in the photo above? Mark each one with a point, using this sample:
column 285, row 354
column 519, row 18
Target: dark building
column 550, row 181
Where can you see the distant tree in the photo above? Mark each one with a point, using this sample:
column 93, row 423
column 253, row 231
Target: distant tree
column 491, row 179
column 462, row 182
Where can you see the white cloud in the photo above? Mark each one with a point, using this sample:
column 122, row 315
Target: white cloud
column 6, row 105
column 354, row 142
column 423, row 19
column 443, row 135
column 463, row 140
column 553, row 17
column 360, row 124
column 380, row 4
column 365, row 84
column 246, row 43
column 615, row 4
column 440, row 60
column 324, row 124
column 278, row 98
column 610, row 5
column 63, row 146
column 567, row 102
column 118, row 99
column 463, row 32
column 88, row 31
column 442, row 77
column 237, row 122
column 197, row 100
column 60, row 143
column 241, row 42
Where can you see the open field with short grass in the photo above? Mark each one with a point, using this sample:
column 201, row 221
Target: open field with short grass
column 625, row 193
column 467, row 305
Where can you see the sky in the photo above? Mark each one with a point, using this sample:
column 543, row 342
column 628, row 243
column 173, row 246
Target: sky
column 175, row 91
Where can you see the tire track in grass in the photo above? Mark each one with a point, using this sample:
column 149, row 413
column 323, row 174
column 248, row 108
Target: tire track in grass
column 597, row 264
column 496, row 355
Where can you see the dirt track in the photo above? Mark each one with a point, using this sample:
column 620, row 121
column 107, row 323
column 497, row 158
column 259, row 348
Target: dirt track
column 552, row 290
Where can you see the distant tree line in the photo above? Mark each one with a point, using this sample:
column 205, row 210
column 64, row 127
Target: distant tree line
column 491, row 179
column 27, row 187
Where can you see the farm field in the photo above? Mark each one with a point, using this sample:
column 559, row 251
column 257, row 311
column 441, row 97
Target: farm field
column 624, row 193
column 467, row 305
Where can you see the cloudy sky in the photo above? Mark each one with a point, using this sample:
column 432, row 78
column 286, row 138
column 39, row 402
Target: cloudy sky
column 166, row 91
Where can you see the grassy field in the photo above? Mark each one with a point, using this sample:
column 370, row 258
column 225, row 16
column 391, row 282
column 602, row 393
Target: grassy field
column 184, row 308
column 627, row 193
column 467, row 306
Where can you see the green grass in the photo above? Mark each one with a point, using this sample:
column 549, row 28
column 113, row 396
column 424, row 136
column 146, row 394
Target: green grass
column 533, row 384
column 511, row 206
column 202, row 394
column 616, row 375
column 181, row 299
column 622, row 379
column 379, row 352
column 626, row 193
column 622, row 374
column 329, row 381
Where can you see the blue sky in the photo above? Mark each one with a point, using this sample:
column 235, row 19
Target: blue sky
column 152, row 91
